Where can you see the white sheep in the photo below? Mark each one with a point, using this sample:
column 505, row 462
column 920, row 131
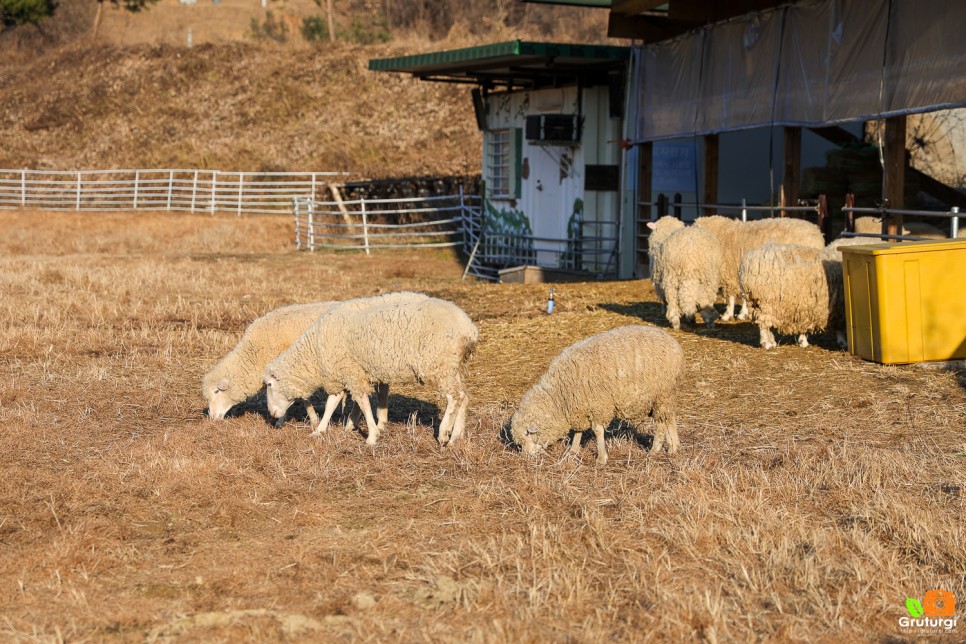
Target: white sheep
column 350, row 349
column 238, row 375
column 873, row 225
column 629, row 372
column 738, row 237
column 686, row 270
column 796, row 290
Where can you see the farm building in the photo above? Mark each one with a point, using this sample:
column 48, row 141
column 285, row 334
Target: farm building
column 714, row 103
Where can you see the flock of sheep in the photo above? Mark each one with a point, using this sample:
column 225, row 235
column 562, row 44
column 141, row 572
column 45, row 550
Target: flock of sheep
column 789, row 280
column 355, row 348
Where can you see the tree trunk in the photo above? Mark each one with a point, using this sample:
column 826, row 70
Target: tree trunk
column 328, row 12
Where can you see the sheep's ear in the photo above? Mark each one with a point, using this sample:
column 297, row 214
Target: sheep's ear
column 651, row 225
column 222, row 385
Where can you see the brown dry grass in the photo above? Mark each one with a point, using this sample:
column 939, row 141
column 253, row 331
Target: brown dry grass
column 813, row 493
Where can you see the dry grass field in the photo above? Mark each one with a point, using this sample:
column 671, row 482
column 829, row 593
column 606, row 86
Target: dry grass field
column 813, row 492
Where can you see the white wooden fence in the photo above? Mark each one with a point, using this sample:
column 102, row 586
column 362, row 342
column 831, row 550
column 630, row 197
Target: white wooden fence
column 364, row 224
column 167, row 190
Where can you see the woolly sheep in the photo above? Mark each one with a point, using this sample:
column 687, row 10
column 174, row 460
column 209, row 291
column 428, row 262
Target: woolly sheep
column 873, row 225
column 629, row 372
column 738, row 237
column 237, row 376
column 687, row 271
column 661, row 229
column 347, row 350
column 796, row 290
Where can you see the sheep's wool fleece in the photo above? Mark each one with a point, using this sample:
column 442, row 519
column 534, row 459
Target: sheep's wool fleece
column 263, row 340
column 623, row 373
column 421, row 340
column 687, row 269
column 738, row 237
column 793, row 289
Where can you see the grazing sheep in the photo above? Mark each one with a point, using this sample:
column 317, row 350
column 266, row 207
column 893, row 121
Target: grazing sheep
column 629, row 372
column 796, row 290
column 238, row 375
column 351, row 348
column 738, row 237
column 873, row 225
column 687, row 272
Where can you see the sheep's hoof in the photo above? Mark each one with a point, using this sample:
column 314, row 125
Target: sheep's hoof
column 602, row 459
column 727, row 317
column 802, row 341
column 744, row 316
column 768, row 345
column 319, row 432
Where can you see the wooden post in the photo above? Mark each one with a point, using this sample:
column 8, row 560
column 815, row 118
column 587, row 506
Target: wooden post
column 78, row 191
column 23, row 188
column 792, row 168
column 850, row 216
column 241, row 179
column 710, row 171
column 823, row 218
column 137, row 184
column 893, row 188
column 645, row 172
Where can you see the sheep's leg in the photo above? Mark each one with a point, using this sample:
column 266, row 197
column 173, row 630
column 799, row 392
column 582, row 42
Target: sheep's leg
column 710, row 315
column 460, row 424
column 601, row 449
column 363, row 402
column 766, row 338
column 382, row 403
column 575, row 445
column 313, row 416
column 446, row 425
column 744, row 314
column 280, row 422
column 355, row 414
column 330, row 404
column 729, row 309
column 673, row 315
column 802, row 341
column 842, row 339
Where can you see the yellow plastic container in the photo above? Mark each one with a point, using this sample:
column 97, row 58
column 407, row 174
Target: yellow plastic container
column 906, row 302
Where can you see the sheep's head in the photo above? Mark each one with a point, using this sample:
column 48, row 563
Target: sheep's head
column 278, row 402
column 219, row 395
column 526, row 434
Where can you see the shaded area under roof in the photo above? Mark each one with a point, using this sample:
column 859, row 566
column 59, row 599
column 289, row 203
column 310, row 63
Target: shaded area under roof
column 512, row 64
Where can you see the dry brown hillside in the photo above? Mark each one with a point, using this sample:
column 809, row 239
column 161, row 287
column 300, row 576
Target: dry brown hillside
column 136, row 96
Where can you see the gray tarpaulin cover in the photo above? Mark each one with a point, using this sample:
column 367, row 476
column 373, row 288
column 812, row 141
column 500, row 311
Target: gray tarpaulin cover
column 806, row 64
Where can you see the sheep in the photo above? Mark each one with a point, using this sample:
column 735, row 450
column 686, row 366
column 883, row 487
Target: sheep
column 873, row 225
column 628, row 373
column 738, row 237
column 660, row 230
column 237, row 375
column 687, row 272
column 796, row 290
column 349, row 349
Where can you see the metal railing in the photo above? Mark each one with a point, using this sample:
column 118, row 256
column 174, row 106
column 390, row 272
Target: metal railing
column 365, row 224
column 882, row 212
column 178, row 190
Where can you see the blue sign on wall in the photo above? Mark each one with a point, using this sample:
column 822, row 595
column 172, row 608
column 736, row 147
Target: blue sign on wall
column 674, row 167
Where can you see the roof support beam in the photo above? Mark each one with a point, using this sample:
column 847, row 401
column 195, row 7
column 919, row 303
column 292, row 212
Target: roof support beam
column 634, row 7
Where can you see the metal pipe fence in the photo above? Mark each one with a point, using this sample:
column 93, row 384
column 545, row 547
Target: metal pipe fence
column 176, row 190
column 365, row 224
column 882, row 212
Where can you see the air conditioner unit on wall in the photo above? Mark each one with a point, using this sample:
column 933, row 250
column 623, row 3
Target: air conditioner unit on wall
column 554, row 129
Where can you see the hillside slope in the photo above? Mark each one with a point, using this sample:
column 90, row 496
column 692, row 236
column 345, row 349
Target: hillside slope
column 235, row 106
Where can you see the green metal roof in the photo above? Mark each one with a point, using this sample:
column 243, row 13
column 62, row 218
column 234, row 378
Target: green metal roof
column 516, row 63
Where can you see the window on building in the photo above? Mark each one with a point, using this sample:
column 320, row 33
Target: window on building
column 502, row 163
